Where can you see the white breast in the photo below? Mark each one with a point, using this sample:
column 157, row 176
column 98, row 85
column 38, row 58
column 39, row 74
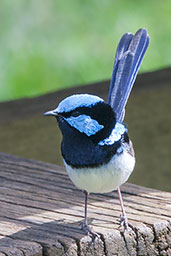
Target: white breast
column 105, row 178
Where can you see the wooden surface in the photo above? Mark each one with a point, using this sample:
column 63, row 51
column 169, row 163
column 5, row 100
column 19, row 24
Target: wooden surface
column 41, row 211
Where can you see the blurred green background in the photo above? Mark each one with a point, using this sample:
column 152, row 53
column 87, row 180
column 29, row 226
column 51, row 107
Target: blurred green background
column 49, row 45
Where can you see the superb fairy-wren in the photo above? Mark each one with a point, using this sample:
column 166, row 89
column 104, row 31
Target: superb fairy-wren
column 96, row 149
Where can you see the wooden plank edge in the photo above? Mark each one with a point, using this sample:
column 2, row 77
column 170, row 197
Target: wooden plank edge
column 143, row 240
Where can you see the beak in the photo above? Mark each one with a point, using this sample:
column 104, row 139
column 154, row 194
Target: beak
column 50, row 113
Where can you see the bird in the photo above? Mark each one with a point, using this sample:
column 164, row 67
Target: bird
column 96, row 149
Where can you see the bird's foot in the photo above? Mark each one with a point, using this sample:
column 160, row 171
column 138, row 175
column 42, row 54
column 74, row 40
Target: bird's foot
column 89, row 231
column 124, row 222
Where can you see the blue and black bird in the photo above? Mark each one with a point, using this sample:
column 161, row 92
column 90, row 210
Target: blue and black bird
column 96, row 149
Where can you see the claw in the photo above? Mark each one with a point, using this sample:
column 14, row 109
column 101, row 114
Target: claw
column 124, row 222
column 89, row 231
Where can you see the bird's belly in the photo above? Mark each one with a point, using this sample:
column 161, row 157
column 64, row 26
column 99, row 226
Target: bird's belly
column 104, row 178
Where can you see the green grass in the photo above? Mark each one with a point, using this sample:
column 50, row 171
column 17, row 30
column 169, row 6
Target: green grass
column 49, row 45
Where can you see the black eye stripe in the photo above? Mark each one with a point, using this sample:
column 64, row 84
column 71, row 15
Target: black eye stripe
column 75, row 113
column 101, row 112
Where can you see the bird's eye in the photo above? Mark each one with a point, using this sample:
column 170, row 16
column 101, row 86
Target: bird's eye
column 75, row 113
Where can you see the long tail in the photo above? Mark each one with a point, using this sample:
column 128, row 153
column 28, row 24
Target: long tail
column 129, row 55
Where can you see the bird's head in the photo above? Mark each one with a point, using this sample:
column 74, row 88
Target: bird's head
column 85, row 114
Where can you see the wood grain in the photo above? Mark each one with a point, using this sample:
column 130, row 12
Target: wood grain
column 41, row 212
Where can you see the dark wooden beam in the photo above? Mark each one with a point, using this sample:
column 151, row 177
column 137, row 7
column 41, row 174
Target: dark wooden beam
column 24, row 131
column 19, row 109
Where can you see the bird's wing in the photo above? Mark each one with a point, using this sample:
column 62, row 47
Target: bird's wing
column 129, row 55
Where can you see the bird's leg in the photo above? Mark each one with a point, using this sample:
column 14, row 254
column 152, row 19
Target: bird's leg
column 85, row 226
column 123, row 218
column 85, row 207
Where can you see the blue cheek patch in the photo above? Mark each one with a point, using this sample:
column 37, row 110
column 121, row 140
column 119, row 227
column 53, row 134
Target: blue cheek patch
column 85, row 124
column 115, row 135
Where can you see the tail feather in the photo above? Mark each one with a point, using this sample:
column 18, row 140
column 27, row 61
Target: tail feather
column 129, row 55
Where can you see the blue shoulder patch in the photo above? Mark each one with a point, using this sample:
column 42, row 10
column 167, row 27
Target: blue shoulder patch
column 115, row 135
column 77, row 100
column 85, row 124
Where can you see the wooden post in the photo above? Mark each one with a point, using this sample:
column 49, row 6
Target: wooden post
column 41, row 212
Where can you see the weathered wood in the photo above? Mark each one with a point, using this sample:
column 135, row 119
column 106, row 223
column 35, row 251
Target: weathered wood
column 41, row 212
